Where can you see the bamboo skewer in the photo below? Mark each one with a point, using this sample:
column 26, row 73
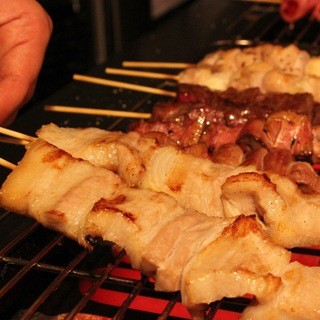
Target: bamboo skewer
column 15, row 134
column 16, row 141
column 100, row 112
column 7, row 164
column 142, row 74
column 153, row 64
column 123, row 85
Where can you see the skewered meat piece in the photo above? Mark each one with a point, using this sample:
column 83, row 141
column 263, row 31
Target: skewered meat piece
column 233, row 105
column 297, row 297
column 289, row 216
column 196, row 183
column 145, row 164
column 176, row 244
column 206, row 278
column 213, row 119
column 80, row 200
column 271, row 68
column 95, row 203
column 199, row 121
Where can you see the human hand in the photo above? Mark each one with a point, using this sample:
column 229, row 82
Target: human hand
column 25, row 30
column 293, row 10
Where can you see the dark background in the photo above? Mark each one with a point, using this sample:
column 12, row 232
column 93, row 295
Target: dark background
column 89, row 32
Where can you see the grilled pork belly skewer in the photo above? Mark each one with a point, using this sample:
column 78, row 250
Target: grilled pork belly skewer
column 237, row 259
column 204, row 273
column 196, row 183
column 68, row 192
column 86, row 202
column 147, row 163
column 289, row 216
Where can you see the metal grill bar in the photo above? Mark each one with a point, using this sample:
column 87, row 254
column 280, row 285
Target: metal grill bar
column 13, row 281
column 245, row 30
column 45, row 294
column 133, row 294
column 18, row 239
column 262, row 23
column 171, row 303
column 97, row 283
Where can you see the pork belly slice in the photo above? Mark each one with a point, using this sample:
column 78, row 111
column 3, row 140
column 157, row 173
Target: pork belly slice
column 78, row 199
column 56, row 189
column 297, row 297
column 242, row 260
column 174, row 245
column 131, row 218
column 194, row 182
column 290, row 217
column 114, row 151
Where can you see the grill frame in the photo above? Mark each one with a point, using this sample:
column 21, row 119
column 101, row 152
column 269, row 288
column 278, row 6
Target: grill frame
column 13, row 247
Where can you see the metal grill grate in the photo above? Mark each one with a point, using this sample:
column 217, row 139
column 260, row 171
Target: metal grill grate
column 43, row 274
column 262, row 23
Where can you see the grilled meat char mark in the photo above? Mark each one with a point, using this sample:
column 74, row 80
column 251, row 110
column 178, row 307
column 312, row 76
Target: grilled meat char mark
column 111, row 205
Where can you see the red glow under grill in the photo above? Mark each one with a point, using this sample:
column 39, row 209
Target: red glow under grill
column 157, row 305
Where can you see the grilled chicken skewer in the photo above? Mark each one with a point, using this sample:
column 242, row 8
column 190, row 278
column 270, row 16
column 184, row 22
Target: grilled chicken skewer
column 269, row 67
column 196, row 183
column 272, row 68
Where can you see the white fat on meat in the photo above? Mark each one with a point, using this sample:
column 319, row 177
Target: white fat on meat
column 241, row 260
column 55, row 189
column 210, row 188
column 176, row 243
column 214, row 257
column 112, row 150
column 297, row 297
column 289, row 216
column 194, row 182
column 131, row 219
column 78, row 199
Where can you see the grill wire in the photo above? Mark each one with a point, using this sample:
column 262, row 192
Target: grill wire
column 43, row 274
